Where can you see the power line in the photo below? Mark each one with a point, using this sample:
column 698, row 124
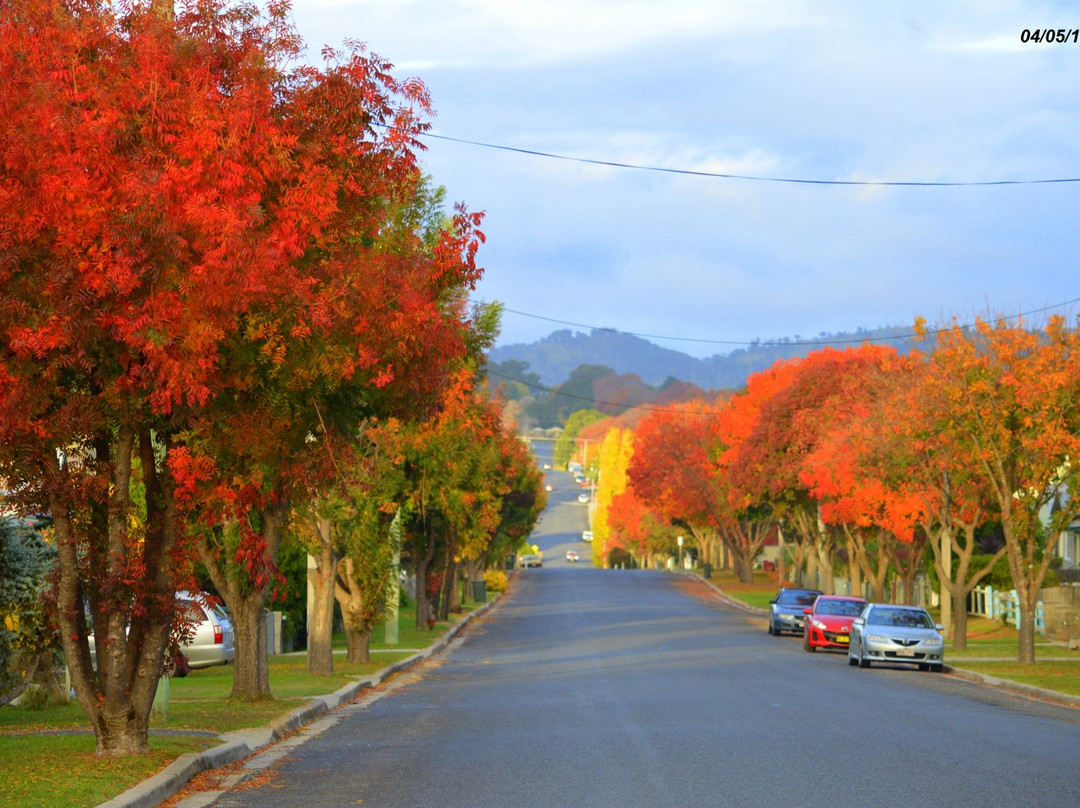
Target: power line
column 853, row 340
column 749, row 177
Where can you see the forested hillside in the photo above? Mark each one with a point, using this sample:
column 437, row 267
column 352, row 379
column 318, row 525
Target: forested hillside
column 555, row 357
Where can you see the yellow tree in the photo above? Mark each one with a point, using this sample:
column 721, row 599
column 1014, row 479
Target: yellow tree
column 616, row 449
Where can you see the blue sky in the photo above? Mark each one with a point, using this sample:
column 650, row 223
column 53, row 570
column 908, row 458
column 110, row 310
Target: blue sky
column 878, row 91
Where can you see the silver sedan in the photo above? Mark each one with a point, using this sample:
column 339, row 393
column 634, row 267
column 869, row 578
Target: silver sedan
column 884, row 632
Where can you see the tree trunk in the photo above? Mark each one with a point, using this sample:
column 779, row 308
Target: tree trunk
column 423, row 563
column 247, row 605
column 321, row 574
column 957, row 585
column 876, row 574
column 116, row 688
column 959, row 594
column 943, row 558
column 358, row 643
column 854, row 567
column 251, row 676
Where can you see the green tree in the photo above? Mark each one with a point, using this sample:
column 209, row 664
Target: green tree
column 27, row 635
column 566, row 444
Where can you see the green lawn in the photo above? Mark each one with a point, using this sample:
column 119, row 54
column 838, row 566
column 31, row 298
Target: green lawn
column 61, row 769
column 55, row 770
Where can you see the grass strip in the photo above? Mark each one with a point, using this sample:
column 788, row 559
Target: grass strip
column 40, row 771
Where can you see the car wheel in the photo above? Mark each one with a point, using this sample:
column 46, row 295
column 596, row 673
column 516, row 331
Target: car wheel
column 936, row 668
column 924, row 667
column 806, row 644
column 863, row 661
column 851, row 660
column 771, row 632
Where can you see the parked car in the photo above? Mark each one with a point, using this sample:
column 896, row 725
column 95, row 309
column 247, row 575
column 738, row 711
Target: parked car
column 586, row 535
column 583, row 499
column 548, row 487
column 572, row 555
column 828, row 621
column 787, row 609
column 884, row 632
column 212, row 642
column 531, row 560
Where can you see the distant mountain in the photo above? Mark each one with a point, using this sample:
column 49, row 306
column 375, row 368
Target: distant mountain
column 556, row 356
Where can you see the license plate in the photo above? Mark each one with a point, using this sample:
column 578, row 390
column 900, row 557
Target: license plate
column 843, row 638
column 905, row 652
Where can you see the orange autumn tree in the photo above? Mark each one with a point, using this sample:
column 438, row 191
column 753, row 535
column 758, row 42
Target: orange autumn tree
column 755, row 465
column 787, row 414
column 876, row 517
column 1009, row 394
column 636, row 529
column 680, row 471
column 908, row 443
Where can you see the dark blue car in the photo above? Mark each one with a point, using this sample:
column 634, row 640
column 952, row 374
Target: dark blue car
column 787, row 610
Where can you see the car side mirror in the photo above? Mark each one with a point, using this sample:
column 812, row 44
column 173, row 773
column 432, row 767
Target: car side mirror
column 806, row 611
column 939, row 627
column 858, row 621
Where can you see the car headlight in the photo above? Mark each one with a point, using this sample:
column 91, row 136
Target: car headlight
column 934, row 641
column 818, row 624
column 876, row 638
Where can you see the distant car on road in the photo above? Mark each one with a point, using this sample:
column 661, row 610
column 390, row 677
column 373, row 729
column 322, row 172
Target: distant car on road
column 548, row 487
column 583, row 499
column 884, row 632
column 572, row 555
column 531, row 560
column 787, row 610
column 828, row 621
column 586, row 535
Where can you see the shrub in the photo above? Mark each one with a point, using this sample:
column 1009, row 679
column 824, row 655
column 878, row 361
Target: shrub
column 495, row 580
column 26, row 632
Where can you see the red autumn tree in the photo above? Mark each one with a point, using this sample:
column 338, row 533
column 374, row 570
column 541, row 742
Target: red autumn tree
column 636, row 528
column 178, row 269
column 679, row 469
column 786, row 417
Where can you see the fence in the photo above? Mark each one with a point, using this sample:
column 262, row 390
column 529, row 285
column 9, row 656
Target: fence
column 997, row 604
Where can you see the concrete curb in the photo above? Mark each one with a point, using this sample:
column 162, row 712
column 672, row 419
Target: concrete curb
column 972, row 676
column 241, row 744
column 1040, row 693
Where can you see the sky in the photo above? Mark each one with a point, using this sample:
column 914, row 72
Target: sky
column 828, row 90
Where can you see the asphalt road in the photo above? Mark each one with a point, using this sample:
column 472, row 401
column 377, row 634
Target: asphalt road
column 586, row 687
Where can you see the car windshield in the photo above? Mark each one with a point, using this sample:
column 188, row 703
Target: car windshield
column 905, row 618
column 847, row 608
column 796, row 597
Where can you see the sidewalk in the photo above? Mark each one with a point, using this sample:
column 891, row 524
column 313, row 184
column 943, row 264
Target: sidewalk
column 236, row 746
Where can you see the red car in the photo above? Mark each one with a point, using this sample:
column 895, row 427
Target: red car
column 828, row 621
